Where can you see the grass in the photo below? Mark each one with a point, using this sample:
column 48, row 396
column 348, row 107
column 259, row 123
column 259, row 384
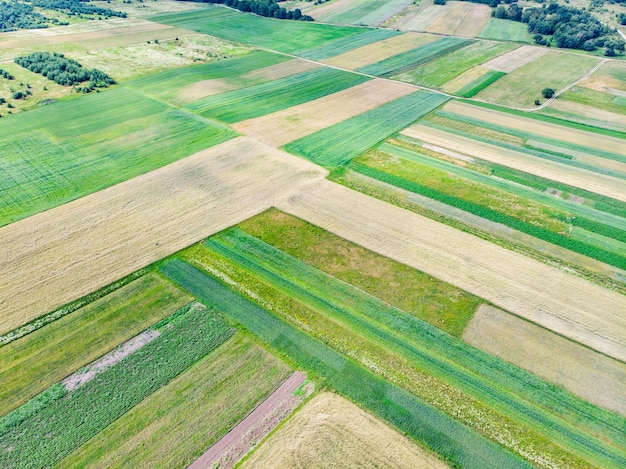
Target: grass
column 441, row 70
column 476, row 86
column 369, row 36
column 341, row 142
column 33, row 363
column 600, row 241
column 595, row 99
column 176, row 424
column 506, row 30
column 409, row 60
column 101, row 140
column 275, row 95
column 421, row 422
column 65, row 424
column 431, row 300
column 266, row 33
column 365, row 12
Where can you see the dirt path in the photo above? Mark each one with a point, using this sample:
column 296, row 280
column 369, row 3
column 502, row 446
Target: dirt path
column 251, row 430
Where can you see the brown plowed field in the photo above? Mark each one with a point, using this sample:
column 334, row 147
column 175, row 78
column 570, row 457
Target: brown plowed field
column 331, row 432
column 290, row 124
column 57, row 256
column 559, row 301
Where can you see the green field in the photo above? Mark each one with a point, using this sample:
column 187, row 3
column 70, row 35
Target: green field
column 67, row 423
column 368, row 36
column 406, row 61
column 444, row 69
column 36, row 361
column 341, row 142
column 100, row 140
column 476, row 86
column 275, row 95
column 432, row 428
column 179, row 422
column 596, row 99
column 431, row 300
column 506, row 30
column 266, row 33
column 365, row 12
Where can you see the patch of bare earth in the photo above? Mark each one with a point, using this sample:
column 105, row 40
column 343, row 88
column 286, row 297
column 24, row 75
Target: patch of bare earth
column 290, row 124
column 557, row 300
column 57, row 256
column 250, row 431
column 516, row 58
column 594, row 377
column 331, row 432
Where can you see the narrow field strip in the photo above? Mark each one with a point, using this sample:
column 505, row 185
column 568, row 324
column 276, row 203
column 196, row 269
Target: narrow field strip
column 285, row 126
column 561, row 302
column 364, row 12
column 174, row 425
column 588, row 374
column 35, row 362
column 434, row 429
column 472, row 89
column 604, row 185
column 330, row 431
column 341, row 46
column 341, row 142
column 275, row 95
column 65, row 424
column 461, row 19
column 515, row 59
column 406, row 61
column 63, row 254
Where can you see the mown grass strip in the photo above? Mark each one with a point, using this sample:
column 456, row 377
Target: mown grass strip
column 408, row 60
column 454, row 442
column 65, row 424
column 341, row 46
column 579, row 426
column 273, row 96
column 476, row 86
column 599, row 254
column 341, row 142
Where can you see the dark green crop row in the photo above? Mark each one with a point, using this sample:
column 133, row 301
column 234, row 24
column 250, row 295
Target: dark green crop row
column 482, row 82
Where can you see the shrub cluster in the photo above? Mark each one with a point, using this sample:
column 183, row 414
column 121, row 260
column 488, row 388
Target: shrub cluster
column 5, row 74
column 267, row 8
column 76, row 8
column 64, row 71
column 15, row 16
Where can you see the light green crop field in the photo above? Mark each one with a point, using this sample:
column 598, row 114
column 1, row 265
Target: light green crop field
column 365, row 12
column 523, row 86
column 76, row 147
column 368, row 36
column 341, row 142
column 267, row 33
column 275, row 95
column 444, row 69
column 596, row 99
column 38, row 360
column 176, row 424
column 506, row 30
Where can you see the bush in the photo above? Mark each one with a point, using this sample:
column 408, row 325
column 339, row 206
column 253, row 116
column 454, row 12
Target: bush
column 18, row 95
column 547, row 92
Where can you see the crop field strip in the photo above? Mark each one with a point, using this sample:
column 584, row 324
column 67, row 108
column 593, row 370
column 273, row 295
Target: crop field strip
column 64, row 424
column 584, row 372
column 445, row 357
column 410, row 415
column 292, row 36
column 282, row 127
column 330, row 431
column 275, row 95
column 63, row 254
column 505, row 30
column 341, row 142
column 460, row 19
column 33, row 363
column 586, row 115
column 407, row 61
column 578, row 309
column 364, row 12
column 342, row 46
column 177, row 423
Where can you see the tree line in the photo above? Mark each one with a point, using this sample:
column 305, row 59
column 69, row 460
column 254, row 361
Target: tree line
column 267, row 8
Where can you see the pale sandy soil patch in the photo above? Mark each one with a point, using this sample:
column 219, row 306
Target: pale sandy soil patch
column 331, row 432
column 594, row 182
column 204, row 88
column 380, row 50
column 57, row 256
column 557, row 300
column 540, row 128
column 257, row 425
column 516, row 58
column 464, row 79
column 290, row 124
column 461, row 19
column 582, row 371
column 283, row 69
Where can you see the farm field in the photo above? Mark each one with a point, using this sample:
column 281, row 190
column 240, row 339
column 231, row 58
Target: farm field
column 459, row 19
column 592, row 376
column 587, row 115
column 330, row 431
column 505, row 30
column 361, row 12
column 164, row 211
column 295, row 122
column 347, row 44
column 197, row 408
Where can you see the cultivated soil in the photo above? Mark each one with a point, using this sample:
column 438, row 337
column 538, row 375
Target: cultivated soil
column 516, row 58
